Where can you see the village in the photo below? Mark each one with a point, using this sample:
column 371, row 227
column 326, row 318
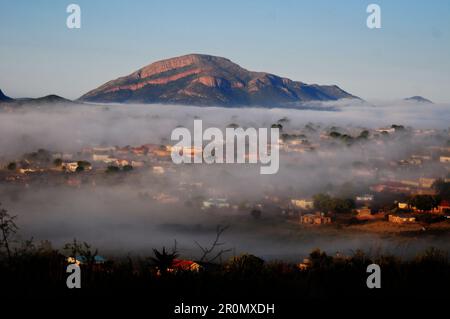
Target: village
column 408, row 188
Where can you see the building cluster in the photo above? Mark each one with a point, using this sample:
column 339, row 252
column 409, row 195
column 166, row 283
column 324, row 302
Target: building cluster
column 409, row 173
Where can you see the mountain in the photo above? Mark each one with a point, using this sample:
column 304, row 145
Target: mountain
column 44, row 101
column 48, row 99
column 4, row 98
column 419, row 99
column 198, row 79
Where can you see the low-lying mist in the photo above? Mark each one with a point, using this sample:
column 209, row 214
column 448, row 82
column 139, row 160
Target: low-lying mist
column 122, row 215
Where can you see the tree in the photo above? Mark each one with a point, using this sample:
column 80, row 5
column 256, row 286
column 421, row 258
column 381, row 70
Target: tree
column 256, row 213
column 57, row 162
column 8, row 229
column 443, row 188
column 398, row 127
column 163, row 259
column 326, row 203
column 364, row 134
column 277, row 125
column 423, row 202
column 85, row 165
column 246, row 265
column 81, row 249
column 207, row 251
column 12, row 166
column 335, row 134
column 319, row 259
column 322, row 202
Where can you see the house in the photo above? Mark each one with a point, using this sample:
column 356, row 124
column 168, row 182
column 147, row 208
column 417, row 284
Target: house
column 305, row 265
column 160, row 152
column 315, row 219
column 137, row 164
column 184, row 265
column 123, row 162
column 364, row 213
column 140, row 150
column 70, row 167
column 444, row 207
column 444, row 159
column 391, row 186
column 100, row 157
column 103, row 150
column 364, row 198
column 158, row 170
column 401, row 219
column 403, row 205
column 67, row 156
column 303, row 203
column 165, row 198
column 410, row 183
column 216, row 203
column 27, row 170
column 386, row 130
column 421, row 157
column 123, row 150
column 426, row 182
column 80, row 260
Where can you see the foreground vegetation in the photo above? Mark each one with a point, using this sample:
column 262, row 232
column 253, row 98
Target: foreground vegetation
column 31, row 270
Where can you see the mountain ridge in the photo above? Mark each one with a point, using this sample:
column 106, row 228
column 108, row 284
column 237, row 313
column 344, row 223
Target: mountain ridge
column 206, row 80
column 4, row 98
column 418, row 98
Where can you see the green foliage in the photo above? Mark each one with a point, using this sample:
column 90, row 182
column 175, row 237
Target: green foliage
column 398, row 127
column 335, row 134
column 326, row 203
column 277, row 125
column 424, row 202
column 443, row 188
column 364, row 134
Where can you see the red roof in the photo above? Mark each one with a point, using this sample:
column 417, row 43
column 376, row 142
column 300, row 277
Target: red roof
column 445, row 203
column 182, row 264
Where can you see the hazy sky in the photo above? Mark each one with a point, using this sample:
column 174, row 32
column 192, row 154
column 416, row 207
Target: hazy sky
column 325, row 42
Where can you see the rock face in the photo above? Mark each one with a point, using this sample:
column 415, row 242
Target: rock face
column 4, row 98
column 419, row 99
column 197, row 79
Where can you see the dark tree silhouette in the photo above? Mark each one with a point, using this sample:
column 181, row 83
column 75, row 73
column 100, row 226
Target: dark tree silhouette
column 163, row 260
column 207, row 251
column 8, row 229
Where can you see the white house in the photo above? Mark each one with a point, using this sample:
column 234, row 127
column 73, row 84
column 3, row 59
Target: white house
column 303, row 203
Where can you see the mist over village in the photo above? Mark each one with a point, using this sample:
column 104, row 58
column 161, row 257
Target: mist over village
column 225, row 159
column 337, row 176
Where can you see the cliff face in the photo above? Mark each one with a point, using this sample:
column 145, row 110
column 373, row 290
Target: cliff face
column 209, row 80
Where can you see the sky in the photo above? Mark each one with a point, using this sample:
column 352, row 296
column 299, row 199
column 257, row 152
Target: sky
column 324, row 42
